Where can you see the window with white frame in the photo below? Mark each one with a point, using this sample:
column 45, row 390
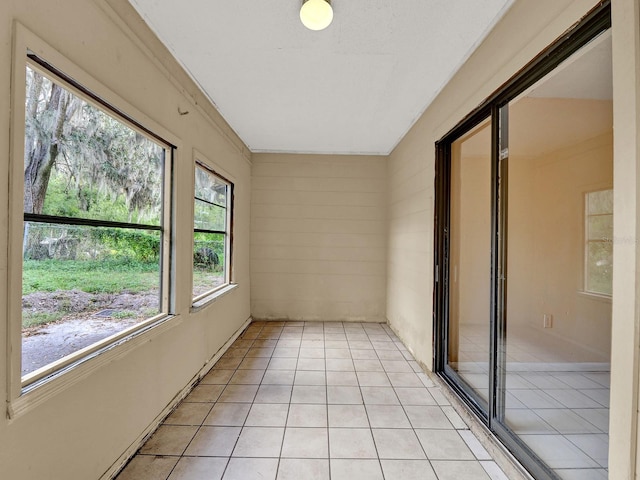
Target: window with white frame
column 95, row 262
column 598, row 253
column 213, row 195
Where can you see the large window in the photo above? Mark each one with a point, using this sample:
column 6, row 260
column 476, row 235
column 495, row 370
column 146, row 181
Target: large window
column 598, row 255
column 95, row 225
column 211, row 232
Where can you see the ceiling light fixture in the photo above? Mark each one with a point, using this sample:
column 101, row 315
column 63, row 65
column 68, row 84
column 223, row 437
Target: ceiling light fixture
column 316, row 14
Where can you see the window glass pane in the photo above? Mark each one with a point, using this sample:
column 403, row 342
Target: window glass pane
column 81, row 162
column 210, row 188
column 209, row 217
column 600, row 267
column 208, row 262
column 83, row 284
column 600, row 227
column 600, row 202
column 599, row 246
column 470, row 259
column 555, row 340
column 210, row 255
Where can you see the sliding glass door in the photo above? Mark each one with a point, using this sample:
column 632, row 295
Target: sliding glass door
column 524, row 246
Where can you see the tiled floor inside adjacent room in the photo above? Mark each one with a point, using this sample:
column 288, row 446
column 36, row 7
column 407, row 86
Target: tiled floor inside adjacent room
column 557, row 402
column 314, row 401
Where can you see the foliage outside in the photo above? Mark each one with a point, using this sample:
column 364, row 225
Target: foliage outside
column 599, row 242
column 210, row 218
column 208, row 262
column 83, row 164
column 86, row 165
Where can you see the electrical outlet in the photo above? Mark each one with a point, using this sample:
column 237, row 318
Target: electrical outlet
column 547, row 320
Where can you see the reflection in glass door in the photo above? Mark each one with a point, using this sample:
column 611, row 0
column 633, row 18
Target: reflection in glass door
column 470, row 260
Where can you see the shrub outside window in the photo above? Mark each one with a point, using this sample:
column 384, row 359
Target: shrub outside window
column 95, row 266
column 211, row 231
column 598, row 256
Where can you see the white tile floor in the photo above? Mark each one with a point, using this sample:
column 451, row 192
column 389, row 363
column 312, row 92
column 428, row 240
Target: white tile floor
column 314, row 401
column 557, row 401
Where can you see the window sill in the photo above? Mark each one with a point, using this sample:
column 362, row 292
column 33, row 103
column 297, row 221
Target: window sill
column 598, row 297
column 213, row 296
column 42, row 390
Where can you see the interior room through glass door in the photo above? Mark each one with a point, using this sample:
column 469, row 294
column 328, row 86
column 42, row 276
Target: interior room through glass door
column 470, row 261
column 559, row 264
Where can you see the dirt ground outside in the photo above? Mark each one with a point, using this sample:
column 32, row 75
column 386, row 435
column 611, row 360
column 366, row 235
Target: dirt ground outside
column 88, row 318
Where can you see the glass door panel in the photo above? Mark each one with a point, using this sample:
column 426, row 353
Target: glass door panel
column 470, row 259
column 558, row 265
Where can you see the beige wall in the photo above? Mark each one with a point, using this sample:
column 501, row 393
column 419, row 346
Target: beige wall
column 470, row 257
column 79, row 428
column 410, row 245
column 548, row 178
column 470, row 242
column 318, row 237
column 545, row 253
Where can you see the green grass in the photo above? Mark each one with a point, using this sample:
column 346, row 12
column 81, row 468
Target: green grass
column 30, row 319
column 204, row 276
column 95, row 276
column 204, row 280
column 91, row 276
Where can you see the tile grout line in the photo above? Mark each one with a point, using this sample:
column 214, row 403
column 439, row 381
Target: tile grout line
column 286, row 420
column 327, row 406
column 224, row 472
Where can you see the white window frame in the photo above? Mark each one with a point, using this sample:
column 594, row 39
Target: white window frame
column 210, row 295
column 587, row 242
column 35, row 388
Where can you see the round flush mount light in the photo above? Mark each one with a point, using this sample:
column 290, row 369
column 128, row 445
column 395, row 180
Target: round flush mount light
column 316, row 14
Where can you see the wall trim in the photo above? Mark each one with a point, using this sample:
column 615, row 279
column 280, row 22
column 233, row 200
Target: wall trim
column 311, row 320
column 625, row 335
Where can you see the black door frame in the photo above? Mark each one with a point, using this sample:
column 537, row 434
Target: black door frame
column 495, row 108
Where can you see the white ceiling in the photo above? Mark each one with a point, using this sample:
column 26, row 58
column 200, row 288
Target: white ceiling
column 587, row 74
column 355, row 88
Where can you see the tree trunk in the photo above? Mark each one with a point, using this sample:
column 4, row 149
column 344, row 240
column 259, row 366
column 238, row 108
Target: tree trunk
column 43, row 146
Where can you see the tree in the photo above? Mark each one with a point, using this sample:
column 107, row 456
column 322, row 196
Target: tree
column 48, row 107
column 99, row 157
